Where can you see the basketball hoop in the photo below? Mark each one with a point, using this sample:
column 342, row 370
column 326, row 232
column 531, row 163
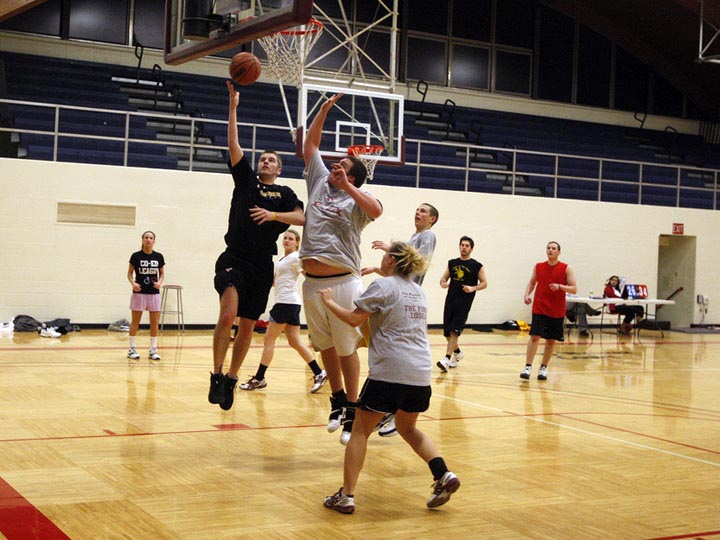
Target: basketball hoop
column 287, row 50
column 369, row 154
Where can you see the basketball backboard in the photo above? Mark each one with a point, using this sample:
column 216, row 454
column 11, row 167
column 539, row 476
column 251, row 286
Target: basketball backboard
column 196, row 28
column 361, row 116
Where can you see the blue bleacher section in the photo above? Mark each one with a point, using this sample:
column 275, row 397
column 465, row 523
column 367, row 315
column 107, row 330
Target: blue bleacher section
column 558, row 136
column 433, row 160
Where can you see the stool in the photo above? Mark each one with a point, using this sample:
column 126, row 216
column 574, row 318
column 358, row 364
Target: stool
column 178, row 312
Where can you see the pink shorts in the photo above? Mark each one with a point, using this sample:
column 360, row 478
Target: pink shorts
column 144, row 302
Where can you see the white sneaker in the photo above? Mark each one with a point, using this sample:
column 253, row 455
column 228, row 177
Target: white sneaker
column 345, row 437
column 442, row 489
column 318, row 381
column 389, row 429
column 347, row 424
column 383, row 421
column 526, row 372
column 542, row 373
column 133, row 354
column 336, row 415
column 455, row 358
column 444, row 364
column 153, row 354
column 49, row 332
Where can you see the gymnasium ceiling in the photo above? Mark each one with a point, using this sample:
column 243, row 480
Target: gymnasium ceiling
column 663, row 34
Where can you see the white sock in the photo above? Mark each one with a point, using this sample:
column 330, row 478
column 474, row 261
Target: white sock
column 153, row 342
column 132, row 341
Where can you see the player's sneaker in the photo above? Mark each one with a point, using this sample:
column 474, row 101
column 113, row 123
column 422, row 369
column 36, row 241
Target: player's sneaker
column 542, row 373
column 217, row 388
column 347, row 424
column 229, row 393
column 153, row 354
column 389, row 429
column 133, row 354
column 455, row 358
column 444, row 364
column 253, row 384
column 318, row 382
column 442, row 489
column 340, row 502
column 383, row 421
column 526, row 372
column 335, row 418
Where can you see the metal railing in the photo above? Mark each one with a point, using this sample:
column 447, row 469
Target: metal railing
column 523, row 171
column 687, row 179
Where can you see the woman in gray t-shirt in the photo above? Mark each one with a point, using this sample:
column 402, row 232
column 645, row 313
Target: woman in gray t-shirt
column 400, row 364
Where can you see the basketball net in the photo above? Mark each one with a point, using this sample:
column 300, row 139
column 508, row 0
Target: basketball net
column 287, row 51
column 369, row 154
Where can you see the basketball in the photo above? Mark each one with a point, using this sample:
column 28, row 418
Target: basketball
column 245, row 68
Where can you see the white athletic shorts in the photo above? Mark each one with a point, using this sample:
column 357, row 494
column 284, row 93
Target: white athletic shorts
column 325, row 329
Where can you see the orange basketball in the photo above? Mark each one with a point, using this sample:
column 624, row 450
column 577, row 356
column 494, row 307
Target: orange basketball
column 245, row 68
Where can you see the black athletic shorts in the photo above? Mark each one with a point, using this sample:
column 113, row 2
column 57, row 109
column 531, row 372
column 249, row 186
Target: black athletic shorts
column 252, row 279
column 455, row 316
column 385, row 397
column 547, row 327
column 286, row 314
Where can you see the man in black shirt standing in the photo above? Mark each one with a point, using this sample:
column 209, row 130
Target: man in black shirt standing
column 260, row 211
column 463, row 277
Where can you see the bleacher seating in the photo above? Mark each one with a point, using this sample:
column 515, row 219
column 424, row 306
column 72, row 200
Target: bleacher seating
column 189, row 96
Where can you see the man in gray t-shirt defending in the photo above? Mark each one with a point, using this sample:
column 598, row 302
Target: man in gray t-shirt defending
column 426, row 215
column 337, row 212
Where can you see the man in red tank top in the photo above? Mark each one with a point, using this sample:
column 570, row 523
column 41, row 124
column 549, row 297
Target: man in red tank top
column 550, row 280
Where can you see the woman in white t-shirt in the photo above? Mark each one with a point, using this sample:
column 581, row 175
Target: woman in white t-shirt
column 400, row 366
column 285, row 316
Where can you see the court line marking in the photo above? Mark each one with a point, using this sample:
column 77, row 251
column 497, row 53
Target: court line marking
column 696, row 536
column 583, row 431
column 21, row 520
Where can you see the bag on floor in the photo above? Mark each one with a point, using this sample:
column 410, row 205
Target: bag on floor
column 26, row 323
column 122, row 325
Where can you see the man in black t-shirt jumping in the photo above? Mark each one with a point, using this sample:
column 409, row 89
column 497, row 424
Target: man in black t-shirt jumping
column 463, row 277
column 260, row 211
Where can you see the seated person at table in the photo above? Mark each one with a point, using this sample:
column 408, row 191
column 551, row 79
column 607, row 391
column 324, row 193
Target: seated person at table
column 578, row 311
column 612, row 290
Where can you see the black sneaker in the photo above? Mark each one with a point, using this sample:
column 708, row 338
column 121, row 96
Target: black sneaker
column 335, row 418
column 347, row 424
column 229, row 392
column 217, row 388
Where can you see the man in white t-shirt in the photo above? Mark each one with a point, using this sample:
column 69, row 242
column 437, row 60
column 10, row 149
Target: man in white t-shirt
column 424, row 240
column 337, row 212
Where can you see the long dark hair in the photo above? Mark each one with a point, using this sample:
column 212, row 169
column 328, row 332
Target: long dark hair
column 617, row 287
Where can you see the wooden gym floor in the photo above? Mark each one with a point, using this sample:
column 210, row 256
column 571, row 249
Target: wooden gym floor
column 621, row 441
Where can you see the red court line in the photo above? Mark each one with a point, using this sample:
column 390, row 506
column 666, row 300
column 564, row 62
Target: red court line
column 522, row 344
column 20, row 520
column 597, row 397
column 697, row 536
column 108, row 433
column 645, row 435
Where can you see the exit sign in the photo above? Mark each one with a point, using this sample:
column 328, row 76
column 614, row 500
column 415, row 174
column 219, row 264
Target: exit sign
column 678, row 228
